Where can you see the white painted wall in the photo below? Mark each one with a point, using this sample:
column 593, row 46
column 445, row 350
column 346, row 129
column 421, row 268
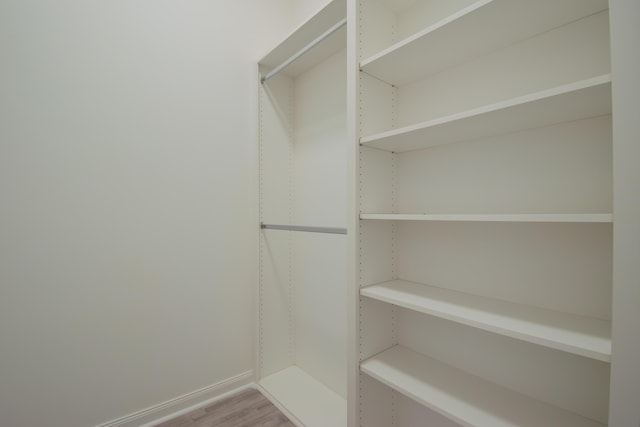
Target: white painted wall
column 127, row 201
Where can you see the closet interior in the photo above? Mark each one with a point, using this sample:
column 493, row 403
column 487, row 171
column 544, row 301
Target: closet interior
column 302, row 331
column 465, row 149
column 485, row 205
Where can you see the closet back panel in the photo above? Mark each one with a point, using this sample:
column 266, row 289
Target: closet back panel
column 565, row 168
column 576, row 383
column 573, row 52
column 563, row 267
column 319, row 260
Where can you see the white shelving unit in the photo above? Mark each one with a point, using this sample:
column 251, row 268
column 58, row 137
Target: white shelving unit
column 472, row 32
column 305, row 398
column 301, row 356
column 492, row 217
column 466, row 399
column 483, row 169
column 574, row 101
column 589, row 337
column 476, row 143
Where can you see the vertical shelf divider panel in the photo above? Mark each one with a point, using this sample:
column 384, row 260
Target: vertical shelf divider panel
column 301, row 358
column 536, row 347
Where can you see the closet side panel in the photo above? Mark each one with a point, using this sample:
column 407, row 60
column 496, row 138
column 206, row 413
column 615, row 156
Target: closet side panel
column 320, row 260
column 275, row 337
column 625, row 378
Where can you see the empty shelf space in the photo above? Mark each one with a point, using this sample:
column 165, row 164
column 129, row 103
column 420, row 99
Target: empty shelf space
column 584, row 336
column 604, row 217
column 578, row 100
column 489, row 24
column 464, row 398
column 312, row 403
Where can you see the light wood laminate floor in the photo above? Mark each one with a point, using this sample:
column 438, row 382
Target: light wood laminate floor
column 248, row 408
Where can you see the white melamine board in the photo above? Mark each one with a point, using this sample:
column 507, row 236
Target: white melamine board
column 575, row 383
column 563, row 267
column 413, row 17
column 490, row 24
column 311, row 402
column 377, row 103
column 409, row 413
column 376, row 405
column 376, row 24
column 564, row 55
column 319, row 283
column 493, row 218
column 377, row 329
column 465, row 398
column 320, row 169
column 276, row 149
column 376, row 176
column 579, row 100
column 580, row 335
column 331, row 14
column 274, row 303
column 376, row 252
column 625, row 376
column 562, row 169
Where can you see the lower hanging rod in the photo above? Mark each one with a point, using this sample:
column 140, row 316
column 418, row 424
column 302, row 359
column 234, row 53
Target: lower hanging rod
column 330, row 230
column 304, row 50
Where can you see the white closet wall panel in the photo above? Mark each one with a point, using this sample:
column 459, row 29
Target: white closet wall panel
column 564, row 267
column 493, row 115
column 320, row 152
column 564, row 168
column 577, row 384
column 276, row 150
column 319, row 260
column 573, row 52
column 409, row 413
column 302, row 287
column 275, row 346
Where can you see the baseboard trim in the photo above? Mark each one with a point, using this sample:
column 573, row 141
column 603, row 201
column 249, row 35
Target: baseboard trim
column 185, row 403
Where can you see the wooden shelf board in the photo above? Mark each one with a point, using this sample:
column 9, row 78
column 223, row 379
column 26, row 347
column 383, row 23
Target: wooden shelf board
column 604, row 217
column 312, row 403
column 472, row 32
column 584, row 336
column 465, row 398
column 578, row 100
column 331, row 14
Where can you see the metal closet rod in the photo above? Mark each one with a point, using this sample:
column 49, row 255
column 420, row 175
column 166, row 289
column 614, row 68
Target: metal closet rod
column 330, row 230
column 304, row 50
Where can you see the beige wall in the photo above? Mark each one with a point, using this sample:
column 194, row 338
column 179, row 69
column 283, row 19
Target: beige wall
column 127, row 201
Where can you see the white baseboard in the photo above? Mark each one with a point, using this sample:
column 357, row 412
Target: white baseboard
column 180, row 405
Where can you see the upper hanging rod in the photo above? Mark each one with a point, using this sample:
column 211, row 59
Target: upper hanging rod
column 304, row 50
column 330, row 230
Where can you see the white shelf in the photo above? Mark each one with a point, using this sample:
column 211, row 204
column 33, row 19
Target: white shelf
column 482, row 27
column 331, row 14
column 574, row 101
column 579, row 335
column 312, row 403
column 466, row 399
column 492, row 217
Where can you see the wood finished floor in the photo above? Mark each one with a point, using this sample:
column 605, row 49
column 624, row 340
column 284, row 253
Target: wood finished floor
column 248, row 408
